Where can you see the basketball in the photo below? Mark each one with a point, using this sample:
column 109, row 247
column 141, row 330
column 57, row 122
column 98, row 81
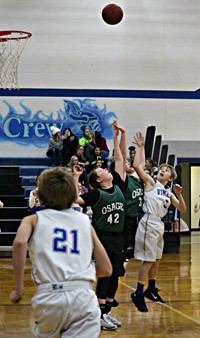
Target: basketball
column 112, row 14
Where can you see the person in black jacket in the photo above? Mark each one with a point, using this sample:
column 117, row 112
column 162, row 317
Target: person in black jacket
column 97, row 155
column 70, row 142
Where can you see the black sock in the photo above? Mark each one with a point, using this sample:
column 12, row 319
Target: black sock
column 108, row 306
column 103, row 309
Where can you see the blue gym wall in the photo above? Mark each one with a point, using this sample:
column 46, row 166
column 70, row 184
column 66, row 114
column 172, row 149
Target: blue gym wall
column 145, row 71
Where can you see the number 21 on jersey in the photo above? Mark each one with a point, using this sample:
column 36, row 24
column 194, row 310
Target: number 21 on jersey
column 65, row 241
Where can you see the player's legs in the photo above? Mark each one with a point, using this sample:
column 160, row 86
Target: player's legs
column 106, row 288
column 130, row 227
column 85, row 315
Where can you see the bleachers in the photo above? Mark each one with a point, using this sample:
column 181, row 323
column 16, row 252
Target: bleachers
column 28, row 175
column 17, row 179
column 26, row 161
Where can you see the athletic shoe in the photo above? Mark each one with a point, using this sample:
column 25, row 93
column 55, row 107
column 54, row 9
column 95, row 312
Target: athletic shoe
column 153, row 295
column 106, row 324
column 115, row 303
column 139, row 302
column 113, row 320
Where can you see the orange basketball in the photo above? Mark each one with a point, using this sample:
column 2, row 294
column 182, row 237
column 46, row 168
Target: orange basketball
column 112, row 14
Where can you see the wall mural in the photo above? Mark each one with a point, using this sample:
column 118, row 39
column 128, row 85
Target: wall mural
column 33, row 128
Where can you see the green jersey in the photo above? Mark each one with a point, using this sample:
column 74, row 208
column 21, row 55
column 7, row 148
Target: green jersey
column 109, row 211
column 134, row 197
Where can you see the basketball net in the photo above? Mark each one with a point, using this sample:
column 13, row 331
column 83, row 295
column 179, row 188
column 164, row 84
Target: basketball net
column 12, row 44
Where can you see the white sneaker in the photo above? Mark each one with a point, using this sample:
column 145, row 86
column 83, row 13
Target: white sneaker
column 113, row 320
column 106, row 324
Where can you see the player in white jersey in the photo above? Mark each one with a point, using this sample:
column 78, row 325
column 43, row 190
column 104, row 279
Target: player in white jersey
column 149, row 236
column 61, row 245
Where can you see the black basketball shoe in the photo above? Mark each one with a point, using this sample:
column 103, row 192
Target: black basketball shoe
column 153, row 295
column 138, row 300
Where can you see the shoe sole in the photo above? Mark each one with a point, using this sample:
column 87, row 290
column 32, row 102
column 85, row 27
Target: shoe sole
column 145, row 310
column 106, row 329
column 154, row 300
column 161, row 303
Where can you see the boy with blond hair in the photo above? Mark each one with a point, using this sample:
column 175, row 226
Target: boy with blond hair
column 149, row 236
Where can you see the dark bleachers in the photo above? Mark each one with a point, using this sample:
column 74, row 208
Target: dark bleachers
column 18, row 161
column 31, row 170
column 13, row 200
column 11, row 189
column 13, row 212
column 17, row 179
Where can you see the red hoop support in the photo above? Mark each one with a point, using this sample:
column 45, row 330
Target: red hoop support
column 21, row 35
column 12, row 44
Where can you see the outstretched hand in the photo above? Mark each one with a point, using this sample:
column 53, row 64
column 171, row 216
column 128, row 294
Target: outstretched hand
column 118, row 127
column 138, row 139
column 177, row 189
column 115, row 128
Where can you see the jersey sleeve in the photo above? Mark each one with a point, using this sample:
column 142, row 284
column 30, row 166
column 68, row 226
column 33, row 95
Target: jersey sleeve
column 91, row 197
column 119, row 182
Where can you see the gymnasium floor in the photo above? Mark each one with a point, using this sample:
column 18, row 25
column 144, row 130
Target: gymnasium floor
column 179, row 280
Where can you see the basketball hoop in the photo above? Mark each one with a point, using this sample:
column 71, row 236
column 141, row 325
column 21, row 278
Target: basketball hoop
column 12, row 44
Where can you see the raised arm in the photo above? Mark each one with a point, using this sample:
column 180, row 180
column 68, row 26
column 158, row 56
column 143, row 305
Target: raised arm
column 103, row 264
column 178, row 200
column 147, row 179
column 118, row 157
column 122, row 143
column 78, row 170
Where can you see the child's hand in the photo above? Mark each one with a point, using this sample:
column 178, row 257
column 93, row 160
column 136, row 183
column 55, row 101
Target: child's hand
column 15, row 297
column 118, row 127
column 78, row 170
column 177, row 189
column 115, row 128
column 139, row 139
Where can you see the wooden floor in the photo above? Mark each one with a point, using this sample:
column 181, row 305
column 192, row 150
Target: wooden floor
column 179, row 280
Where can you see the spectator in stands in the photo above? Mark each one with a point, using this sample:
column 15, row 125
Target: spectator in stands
column 84, row 177
column 55, row 147
column 97, row 155
column 82, row 161
column 151, row 165
column 86, row 141
column 34, row 202
column 98, row 164
column 73, row 161
column 132, row 153
column 70, row 142
column 81, row 190
column 100, row 142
